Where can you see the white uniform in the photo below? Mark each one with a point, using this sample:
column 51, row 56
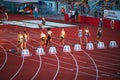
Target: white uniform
column 87, row 33
column 80, row 33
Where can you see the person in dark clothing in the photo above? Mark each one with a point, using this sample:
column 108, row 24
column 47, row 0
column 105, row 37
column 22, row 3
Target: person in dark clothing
column 76, row 15
column 99, row 34
column 42, row 23
column 100, row 23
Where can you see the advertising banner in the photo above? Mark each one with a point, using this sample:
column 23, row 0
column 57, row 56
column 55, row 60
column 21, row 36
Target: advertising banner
column 111, row 14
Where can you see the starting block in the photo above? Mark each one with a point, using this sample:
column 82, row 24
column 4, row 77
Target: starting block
column 113, row 44
column 66, row 48
column 89, row 46
column 40, row 51
column 77, row 47
column 52, row 50
column 101, row 45
column 25, row 52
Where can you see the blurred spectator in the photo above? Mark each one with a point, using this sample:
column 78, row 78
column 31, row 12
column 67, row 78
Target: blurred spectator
column 100, row 25
column 73, row 14
column 87, row 9
column 69, row 15
column 35, row 13
column 96, row 9
column 62, row 10
column 76, row 14
column 112, row 24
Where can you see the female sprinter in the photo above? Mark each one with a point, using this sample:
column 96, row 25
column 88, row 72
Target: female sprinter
column 26, row 38
column 19, row 42
column 80, row 34
column 87, row 34
column 42, row 39
column 62, row 36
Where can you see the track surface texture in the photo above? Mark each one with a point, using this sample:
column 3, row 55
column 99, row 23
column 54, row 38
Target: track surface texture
column 97, row 64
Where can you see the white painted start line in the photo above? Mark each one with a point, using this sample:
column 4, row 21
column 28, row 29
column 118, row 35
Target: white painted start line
column 34, row 24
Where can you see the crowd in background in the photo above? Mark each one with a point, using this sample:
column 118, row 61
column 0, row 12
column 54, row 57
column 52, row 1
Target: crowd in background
column 84, row 7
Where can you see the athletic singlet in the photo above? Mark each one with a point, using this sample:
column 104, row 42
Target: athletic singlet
column 49, row 34
column 79, row 33
column 42, row 35
column 99, row 32
column 20, row 38
column 87, row 33
column 62, row 34
column 25, row 37
column 43, row 22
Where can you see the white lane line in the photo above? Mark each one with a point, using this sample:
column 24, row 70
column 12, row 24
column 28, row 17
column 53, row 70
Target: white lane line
column 64, row 68
column 77, row 68
column 51, row 64
column 97, row 52
column 102, row 71
column 96, row 68
column 88, row 74
column 34, row 24
column 108, row 66
column 20, row 65
column 97, row 60
column 58, row 67
column 49, row 23
column 40, row 64
column 106, row 53
column 76, row 74
column 9, row 42
column 18, row 69
column 74, row 60
column 45, row 63
column 92, row 54
column 103, row 58
column 5, row 57
column 94, row 63
column 58, row 64
column 103, row 66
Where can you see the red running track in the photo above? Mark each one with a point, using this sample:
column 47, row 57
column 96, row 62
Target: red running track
column 97, row 64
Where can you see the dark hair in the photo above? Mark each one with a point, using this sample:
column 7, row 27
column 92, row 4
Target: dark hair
column 48, row 28
column 80, row 27
column 25, row 32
